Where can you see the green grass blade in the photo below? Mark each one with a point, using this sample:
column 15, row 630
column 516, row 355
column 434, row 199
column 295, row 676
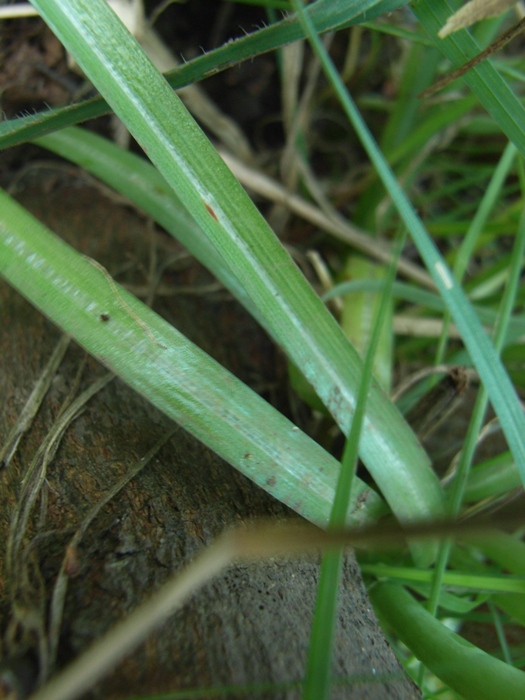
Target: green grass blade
column 160, row 363
column 407, row 292
column 322, row 638
column 482, row 352
column 295, row 315
column 487, row 205
column 492, row 478
column 506, row 550
column 359, row 314
column 319, row 660
column 427, row 126
column 500, row 332
column 469, row 671
column 468, row 449
column 484, row 80
column 470, row 241
column 143, row 185
column 501, row 583
column 327, row 16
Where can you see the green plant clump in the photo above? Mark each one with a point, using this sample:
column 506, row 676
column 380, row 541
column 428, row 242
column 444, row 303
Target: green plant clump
column 446, row 172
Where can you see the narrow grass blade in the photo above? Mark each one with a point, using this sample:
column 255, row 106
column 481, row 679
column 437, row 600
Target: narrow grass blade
column 327, row 16
column 359, row 317
column 484, row 80
column 410, row 293
column 322, row 638
column 246, row 542
column 458, row 486
column 482, row 352
column 295, row 315
column 492, row 478
column 461, row 579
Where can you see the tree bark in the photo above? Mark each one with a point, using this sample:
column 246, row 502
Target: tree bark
column 248, row 626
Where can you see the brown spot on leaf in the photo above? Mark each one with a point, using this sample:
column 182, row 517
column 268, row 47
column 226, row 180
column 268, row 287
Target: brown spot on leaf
column 210, row 211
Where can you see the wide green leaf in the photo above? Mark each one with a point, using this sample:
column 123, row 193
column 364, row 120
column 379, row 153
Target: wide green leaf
column 161, row 364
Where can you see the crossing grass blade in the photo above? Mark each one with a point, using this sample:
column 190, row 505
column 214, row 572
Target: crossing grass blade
column 295, row 315
column 322, row 637
column 482, row 352
column 327, row 16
